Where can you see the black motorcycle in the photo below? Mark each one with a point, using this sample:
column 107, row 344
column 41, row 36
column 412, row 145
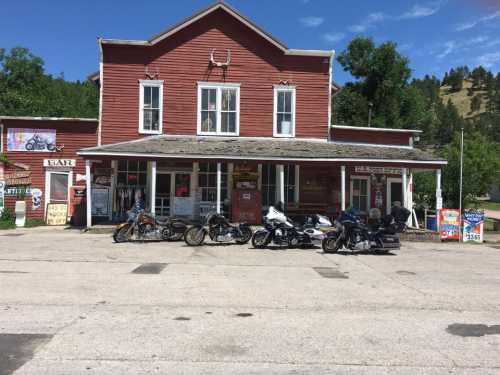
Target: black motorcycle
column 145, row 226
column 219, row 230
column 281, row 231
column 381, row 236
column 37, row 143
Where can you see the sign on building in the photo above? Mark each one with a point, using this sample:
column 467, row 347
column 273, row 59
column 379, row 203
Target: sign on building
column 378, row 170
column 31, row 140
column 449, row 224
column 57, row 214
column 59, row 163
column 2, row 196
column 473, row 226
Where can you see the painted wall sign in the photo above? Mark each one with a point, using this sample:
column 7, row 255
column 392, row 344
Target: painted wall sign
column 31, row 140
column 59, row 163
column 449, row 224
column 57, row 214
column 15, row 191
column 18, row 178
column 473, row 226
column 378, row 170
column 36, row 199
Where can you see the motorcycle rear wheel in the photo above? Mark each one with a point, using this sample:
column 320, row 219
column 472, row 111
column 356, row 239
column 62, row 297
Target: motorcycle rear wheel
column 246, row 235
column 260, row 239
column 331, row 245
column 195, row 236
column 122, row 235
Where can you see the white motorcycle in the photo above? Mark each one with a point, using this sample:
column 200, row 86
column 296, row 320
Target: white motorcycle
column 281, row 231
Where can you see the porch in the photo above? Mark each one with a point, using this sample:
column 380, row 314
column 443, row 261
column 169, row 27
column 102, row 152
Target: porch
column 190, row 176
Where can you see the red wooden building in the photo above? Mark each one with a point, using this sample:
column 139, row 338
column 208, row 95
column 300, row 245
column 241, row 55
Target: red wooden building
column 216, row 114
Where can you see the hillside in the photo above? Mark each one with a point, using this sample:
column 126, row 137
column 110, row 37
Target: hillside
column 462, row 99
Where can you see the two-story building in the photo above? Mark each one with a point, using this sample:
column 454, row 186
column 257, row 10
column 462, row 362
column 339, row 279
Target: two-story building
column 217, row 114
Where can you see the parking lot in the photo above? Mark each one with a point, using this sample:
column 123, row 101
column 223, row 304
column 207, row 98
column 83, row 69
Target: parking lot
column 74, row 303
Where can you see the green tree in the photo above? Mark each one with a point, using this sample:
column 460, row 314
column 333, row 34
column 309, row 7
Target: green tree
column 475, row 104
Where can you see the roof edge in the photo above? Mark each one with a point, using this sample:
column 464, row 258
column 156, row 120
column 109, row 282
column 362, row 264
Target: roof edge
column 375, row 129
column 41, row 118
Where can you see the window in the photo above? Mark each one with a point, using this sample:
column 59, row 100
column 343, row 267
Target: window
column 360, row 194
column 268, row 185
column 284, row 111
column 207, row 182
column 151, row 107
column 218, row 109
column 132, row 173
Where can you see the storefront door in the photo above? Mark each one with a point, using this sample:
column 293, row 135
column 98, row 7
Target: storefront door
column 59, row 187
column 173, row 194
column 394, row 192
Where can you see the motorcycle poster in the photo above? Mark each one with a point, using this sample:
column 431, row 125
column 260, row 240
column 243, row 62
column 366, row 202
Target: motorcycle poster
column 31, row 140
column 449, row 224
column 473, row 226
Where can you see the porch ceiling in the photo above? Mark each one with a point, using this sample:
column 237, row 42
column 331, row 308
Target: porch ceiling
column 240, row 148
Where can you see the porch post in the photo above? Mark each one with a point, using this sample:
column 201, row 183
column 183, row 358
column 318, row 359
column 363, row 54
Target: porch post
column 342, row 188
column 88, row 183
column 219, row 183
column 153, row 188
column 439, row 202
column 404, row 203
column 281, row 180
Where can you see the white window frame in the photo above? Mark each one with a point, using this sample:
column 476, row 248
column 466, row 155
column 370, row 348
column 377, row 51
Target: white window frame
column 219, row 87
column 150, row 83
column 293, row 90
column 368, row 192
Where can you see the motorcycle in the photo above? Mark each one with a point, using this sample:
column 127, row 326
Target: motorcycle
column 353, row 235
column 219, row 230
column 37, row 143
column 146, row 227
column 281, row 231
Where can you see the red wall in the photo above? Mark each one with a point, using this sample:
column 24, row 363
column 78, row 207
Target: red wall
column 370, row 136
column 73, row 135
column 183, row 59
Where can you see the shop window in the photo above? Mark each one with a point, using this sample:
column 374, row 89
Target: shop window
column 284, row 111
column 218, row 109
column 360, row 194
column 151, row 107
column 132, row 173
column 207, row 182
column 268, row 185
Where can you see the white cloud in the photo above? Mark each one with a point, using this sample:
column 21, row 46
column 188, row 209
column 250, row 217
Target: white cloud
column 368, row 22
column 312, row 21
column 333, row 37
column 489, row 60
column 471, row 24
column 449, row 47
column 419, row 10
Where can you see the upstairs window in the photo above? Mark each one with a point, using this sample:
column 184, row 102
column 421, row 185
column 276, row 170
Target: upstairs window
column 218, row 109
column 284, row 111
column 151, row 107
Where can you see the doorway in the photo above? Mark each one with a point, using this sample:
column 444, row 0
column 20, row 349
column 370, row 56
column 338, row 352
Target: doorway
column 59, row 185
column 394, row 192
column 173, row 193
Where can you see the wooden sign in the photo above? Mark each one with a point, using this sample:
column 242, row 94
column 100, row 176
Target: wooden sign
column 59, row 163
column 378, row 170
column 57, row 214
column 18, row 178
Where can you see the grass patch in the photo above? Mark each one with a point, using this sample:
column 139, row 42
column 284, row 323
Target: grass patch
column 33, row 223
column 486, row 205
column 7, row 220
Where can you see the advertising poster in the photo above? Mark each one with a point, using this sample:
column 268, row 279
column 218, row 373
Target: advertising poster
column 57, row 214
column 100, row 201
column 31, row 140
column 449, row 224
column 473, row 226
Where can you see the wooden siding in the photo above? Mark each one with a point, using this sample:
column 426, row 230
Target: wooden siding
column 371, row 137
column 73, row 135
column 183, row 59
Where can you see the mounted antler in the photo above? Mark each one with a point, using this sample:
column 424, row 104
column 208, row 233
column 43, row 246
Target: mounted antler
column 219, row 64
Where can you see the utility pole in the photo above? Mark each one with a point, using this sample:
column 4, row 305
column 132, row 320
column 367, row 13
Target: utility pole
column 370, row 109
column 461, row 180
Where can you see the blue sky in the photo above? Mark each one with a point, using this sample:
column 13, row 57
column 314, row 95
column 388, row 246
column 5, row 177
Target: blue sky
column 435, row 35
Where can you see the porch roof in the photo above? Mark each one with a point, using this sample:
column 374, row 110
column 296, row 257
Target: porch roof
column 265, row 149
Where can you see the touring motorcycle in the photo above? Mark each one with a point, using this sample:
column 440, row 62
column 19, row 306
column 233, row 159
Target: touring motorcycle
column 353, row 235
column 281, row 231
column 219, row 229
column 146, row 227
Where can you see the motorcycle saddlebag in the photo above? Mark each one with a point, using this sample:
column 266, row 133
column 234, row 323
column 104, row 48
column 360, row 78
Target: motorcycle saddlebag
column 390, row 241
column 178, row 227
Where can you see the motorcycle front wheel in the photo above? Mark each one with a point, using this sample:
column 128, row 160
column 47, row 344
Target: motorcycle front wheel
column 122, row 235
column 260, row 239
column 195, row 236
column 246, row 235
column 331, row 245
